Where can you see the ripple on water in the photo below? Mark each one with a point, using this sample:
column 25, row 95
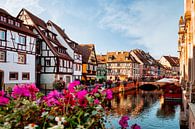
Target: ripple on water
column 145, row 109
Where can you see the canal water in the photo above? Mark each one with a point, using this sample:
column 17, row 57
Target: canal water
column 146, row 108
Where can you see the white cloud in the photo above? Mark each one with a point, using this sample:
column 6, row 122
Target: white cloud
column 14, row 6
column 154, row 23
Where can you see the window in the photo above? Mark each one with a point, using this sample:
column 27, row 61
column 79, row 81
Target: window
column 10, row 21
column 67, row 64
column 22, row 39
column 3, row 19
column 25, row 76
column 17, row 24
column 64, row 63
column 70, row 64
column 2, row 56
column 21, row 58
column 2, row 35
column 47, row 62
column 13, row 76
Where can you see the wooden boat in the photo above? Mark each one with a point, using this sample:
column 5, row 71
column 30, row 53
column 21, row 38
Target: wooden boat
column 172, row 92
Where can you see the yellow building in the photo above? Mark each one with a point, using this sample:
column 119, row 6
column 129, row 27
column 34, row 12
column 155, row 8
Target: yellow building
column 186, row 50
column 89, row 61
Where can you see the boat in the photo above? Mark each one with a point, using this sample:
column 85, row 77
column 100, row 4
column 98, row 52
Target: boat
column 172, row 92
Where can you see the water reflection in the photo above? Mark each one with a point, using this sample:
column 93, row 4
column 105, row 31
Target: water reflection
column 133, row 102
column 146, row 108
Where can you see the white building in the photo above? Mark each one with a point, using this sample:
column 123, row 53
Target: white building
column 17, row 51
column 72, row 49
column 52, row 59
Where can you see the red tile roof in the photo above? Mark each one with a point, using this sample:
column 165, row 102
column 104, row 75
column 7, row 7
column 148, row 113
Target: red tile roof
column 145, row 58
column 120, row 57
column 174, row 61
column 86, row 50
column 101, row 59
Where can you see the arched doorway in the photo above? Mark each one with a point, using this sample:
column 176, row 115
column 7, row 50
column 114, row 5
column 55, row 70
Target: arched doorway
column 1, row 79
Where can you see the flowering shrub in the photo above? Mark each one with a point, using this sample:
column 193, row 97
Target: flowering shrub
column 124, row 123
column 26, row 107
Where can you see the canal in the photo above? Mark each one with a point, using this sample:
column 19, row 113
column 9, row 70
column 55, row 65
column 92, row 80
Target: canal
column 146, row 108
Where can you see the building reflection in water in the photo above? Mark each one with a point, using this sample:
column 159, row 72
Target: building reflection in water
column 133, row 103
column 146, row 108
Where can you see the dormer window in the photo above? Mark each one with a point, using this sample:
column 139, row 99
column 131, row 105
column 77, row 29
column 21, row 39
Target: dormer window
column 17, row 24
column 10, row 21
column 3, row 19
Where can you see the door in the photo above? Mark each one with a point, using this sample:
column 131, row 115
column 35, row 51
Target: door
column 67, row 80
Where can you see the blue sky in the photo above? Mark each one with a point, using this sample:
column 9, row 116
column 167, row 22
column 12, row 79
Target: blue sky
column 112, row 25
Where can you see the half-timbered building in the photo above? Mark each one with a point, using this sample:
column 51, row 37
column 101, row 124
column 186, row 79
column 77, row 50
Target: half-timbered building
column 101, row 67
column 89, row 61
column 52, row 60
column 171, row 64
column 17, row 51
column 122, row 65
column 149, row 67
column 72, row 49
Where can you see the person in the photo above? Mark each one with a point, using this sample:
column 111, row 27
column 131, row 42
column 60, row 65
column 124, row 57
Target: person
column 62, row 84
column 109, row 83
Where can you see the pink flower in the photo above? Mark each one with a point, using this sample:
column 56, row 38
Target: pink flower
column 20, row 91
column 3, row 100
column 135, row 126
column 83, row 102
column 96, row 101
column 81, row 94
column 95, row 90
column 54, row 94
column 52, row 102
column 123, row 121
column 2, row 93
column 33, row 90
column 76, row 83
column 71, row 87
column 109, row 94
column 52, row 98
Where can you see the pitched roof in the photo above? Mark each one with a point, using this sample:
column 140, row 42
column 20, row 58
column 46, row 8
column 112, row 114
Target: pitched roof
column 122, row 56
column 21, row 29
column 2, row 11
column 101, row 59
column 36, row 19
column 49, row 41
column 86, row 50
column 70, row 42
column 174, row 61
column 145, row 58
